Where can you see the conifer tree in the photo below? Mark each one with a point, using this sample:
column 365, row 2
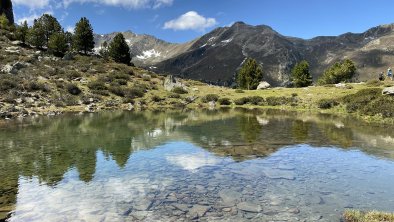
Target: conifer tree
column 83, row 36
column 22, row 31
column 119, row 51
column 300, row 74
column 36, row 35
column 250, row 75
column 58, row 44
column 104, row 50
column 50, row 25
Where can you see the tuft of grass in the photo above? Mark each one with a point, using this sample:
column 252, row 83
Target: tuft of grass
column 374, row 83
column 371, row 216
column 97, row 85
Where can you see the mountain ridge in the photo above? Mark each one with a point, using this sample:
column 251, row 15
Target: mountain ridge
column 216, row 56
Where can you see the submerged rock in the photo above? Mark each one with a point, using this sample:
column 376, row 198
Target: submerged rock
column 230, row 197
column 249, row 207
column 279, row 174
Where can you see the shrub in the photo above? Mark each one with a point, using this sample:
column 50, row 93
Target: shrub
column 256, row 100
column 174, row 96
column 146, row 77
column 209, row 98
column 327, row 103
column 241, row 101
column 97, row 85
column 357, row 101
column 117, row 90
column 7, row 84
column 374, row 83
column 179, row 90
column 239, row 91
column 157, row 98
column 294, row 95
column 73, row 75
column 121, row 82
column 277, row 101
column 73, row 89
column 135, row 92
column 224, row 101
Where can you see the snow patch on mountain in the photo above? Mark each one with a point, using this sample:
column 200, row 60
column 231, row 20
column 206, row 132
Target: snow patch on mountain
column 149, row 54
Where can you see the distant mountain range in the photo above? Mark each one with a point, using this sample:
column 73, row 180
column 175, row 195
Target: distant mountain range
column 216, row 56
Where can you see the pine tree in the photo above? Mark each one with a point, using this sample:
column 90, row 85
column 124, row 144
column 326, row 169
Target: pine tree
column 50, row 25
column 119, row 51
column 300, row 74
column 83, row 37
column 36, row 35
column 22, row 31
column 250, row 75
column 58, row 44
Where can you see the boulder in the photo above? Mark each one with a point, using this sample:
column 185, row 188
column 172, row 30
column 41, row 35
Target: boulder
column 388, row 91
column 13, row 50
column 263, row 85
column 14, row 68
column 249, row 207
column 170, row 82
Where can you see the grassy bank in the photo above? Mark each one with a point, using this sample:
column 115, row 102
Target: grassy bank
column 372, row 216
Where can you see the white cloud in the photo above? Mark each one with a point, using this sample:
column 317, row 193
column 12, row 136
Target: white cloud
column 30, row 18
column 132, row 4
column 32, row 4
column 70, row 29
column 190, row 21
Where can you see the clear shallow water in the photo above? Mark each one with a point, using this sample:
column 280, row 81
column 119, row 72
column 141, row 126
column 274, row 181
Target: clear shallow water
column 209, row 166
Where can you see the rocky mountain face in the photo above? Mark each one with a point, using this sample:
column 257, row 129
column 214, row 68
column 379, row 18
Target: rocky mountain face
column 217, row 56
column 6, row 9
column 146, row 50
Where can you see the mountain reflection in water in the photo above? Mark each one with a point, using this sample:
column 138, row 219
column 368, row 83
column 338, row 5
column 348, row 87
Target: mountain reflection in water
column 107, row 165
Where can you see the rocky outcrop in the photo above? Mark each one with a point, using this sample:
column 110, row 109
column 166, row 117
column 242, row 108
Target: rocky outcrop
column 14, row 68
column 6, row 9
column 170, row 82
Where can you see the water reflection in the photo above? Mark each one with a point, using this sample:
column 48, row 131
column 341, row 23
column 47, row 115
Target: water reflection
column 106, row 166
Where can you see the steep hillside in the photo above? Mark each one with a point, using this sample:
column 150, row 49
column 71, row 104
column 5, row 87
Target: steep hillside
column 146, row 50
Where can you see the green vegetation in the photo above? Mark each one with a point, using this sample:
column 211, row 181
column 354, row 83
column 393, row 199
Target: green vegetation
column 210, row 98
column 339, row 72
column 327, row 103
column 224, row 101
column 119, row 51
column 301, row 75
column 250, row 75
column 83, row 39
column 179, row 90
column 58, row 44
column 22, row 31
column 372, row 216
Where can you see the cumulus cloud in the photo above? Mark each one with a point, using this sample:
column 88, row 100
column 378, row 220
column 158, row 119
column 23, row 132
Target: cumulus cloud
column 32, row 4
column 132, row 4
column 30, row 18
column 190, row 21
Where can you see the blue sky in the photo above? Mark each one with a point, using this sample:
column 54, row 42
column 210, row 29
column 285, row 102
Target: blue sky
column 184, row 20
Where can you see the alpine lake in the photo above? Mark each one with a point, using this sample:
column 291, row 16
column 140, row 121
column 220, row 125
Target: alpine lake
column 224, row 165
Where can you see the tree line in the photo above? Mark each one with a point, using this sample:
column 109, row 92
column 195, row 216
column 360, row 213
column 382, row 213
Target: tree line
column 251, row 73
column 47, row 33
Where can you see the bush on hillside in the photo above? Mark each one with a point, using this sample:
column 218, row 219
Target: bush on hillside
column 97, row 85
column 327, row 103
column 179, row 90
column 224, row 101
column 339, row 72
column 210, row 98
column 73, row 89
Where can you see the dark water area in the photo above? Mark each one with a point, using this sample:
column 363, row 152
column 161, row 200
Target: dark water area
column 229, row 165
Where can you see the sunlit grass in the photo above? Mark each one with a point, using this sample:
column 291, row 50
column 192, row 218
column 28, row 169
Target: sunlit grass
column 371, row 216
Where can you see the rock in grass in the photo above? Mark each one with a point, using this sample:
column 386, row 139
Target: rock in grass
column 388, row 91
